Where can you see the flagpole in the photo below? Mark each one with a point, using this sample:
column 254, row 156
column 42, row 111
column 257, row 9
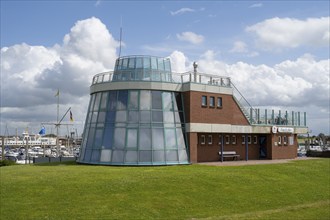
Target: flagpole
column 58, row 112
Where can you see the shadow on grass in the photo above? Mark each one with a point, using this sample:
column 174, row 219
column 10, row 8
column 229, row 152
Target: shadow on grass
column 63, row 163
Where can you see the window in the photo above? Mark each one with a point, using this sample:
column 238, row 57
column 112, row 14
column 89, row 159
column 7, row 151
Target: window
column 249, row 139
column 220, row 139
column 227, row 139
column 204, row 100
column 279, row 139
column 284, row 140
column 209, row 139
column 219, row 102
column 212, row 101
column 233, row 139
column 202, row 139
column 255, row 139
column 243, row 139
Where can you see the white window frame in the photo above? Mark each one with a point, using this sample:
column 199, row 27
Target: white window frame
column 227, row 139
column 279, row 140
column 209, row 139
column 219, row 106
column 249, row 139
column 212, row 103
column 255, row 139
column 220, row 138
column 233, row 139
column 204, row 104
column 243, row 139
column 202, row 139
column 285, row 140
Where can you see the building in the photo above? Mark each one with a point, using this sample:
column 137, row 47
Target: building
column 143, row 114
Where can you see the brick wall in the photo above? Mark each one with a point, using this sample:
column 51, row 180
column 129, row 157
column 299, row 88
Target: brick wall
column 229, row 113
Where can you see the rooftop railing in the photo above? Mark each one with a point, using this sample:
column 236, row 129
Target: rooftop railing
column 161, row 76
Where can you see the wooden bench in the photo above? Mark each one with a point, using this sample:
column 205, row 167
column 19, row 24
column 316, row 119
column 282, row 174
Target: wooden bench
column 230, row 154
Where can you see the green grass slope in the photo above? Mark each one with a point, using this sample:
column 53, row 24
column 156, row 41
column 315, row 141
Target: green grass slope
column 296, row 190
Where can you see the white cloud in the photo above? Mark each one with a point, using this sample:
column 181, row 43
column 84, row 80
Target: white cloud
column 190, row 37
column 182, row 11
column 239, row 47
column 278, row 33
column 257, row 5
column 178, row 62
column 30, row 75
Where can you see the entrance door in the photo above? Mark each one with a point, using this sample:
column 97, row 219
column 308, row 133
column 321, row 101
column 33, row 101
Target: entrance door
column 263, row 147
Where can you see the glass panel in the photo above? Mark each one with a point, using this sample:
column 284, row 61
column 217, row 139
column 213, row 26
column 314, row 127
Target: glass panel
column 212, row 101
column 112, row 100
column 167, row 65
column 145, row 116
column 156, row 100
column 180, row 138
column 122, row 99
column 108, row 136
column 131, row 63
column 158, row 138
column 158, row 156
column 90, row 137
column 118, row 156
column 157, row 116
column 88, row 154
column 146, row 62
column 104, row 101
column 138, row 62
column 97, row 102
column 170, row 138
column 98, row 138
column 219, row 102
column 91, row 104
column 160, row 64
column 125, row 62
column 132, row 138
column 133, row 116
column 153, row 63
column 119, row 138
column 167, row 101
column 183, row 156
column 111, row 116
column 105, row 156
column 94, row 117
column 133, row 100
column 145, row 139
column 95, row 156
column 168, row 117
column 121, row 116
column 177, row 117
column 131, row 156
column 145, row 100
column 101, row 118
column 171, row 155
column 145, row 156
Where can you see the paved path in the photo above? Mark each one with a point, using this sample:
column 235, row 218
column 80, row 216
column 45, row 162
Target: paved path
column 254, row 162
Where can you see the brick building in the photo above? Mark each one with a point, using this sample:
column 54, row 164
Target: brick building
column 143, row 114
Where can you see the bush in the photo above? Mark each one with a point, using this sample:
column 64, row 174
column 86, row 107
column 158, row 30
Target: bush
column 7, row 163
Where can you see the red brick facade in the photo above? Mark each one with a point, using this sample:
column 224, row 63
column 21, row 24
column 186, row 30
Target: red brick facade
column 205, row 147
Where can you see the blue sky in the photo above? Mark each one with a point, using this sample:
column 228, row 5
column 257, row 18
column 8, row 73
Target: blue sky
column 282, row 45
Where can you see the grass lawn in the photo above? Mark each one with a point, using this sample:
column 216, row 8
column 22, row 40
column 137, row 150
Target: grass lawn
column 295, row 190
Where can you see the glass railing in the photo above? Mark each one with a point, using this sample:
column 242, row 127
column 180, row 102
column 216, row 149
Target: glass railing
column 161, row 76
column 278, row 117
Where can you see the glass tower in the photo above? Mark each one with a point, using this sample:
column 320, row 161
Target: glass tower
column 132, row 122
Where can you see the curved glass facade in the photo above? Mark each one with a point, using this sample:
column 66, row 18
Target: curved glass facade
column 145, row 68
column 135, row 127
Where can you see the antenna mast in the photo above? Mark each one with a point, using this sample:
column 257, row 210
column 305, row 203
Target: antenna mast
column 120, row 36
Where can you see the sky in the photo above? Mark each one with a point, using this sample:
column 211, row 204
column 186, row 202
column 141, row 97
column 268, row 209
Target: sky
column 276, row 53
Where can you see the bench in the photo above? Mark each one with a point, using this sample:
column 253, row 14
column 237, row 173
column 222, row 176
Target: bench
column 230, row 154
